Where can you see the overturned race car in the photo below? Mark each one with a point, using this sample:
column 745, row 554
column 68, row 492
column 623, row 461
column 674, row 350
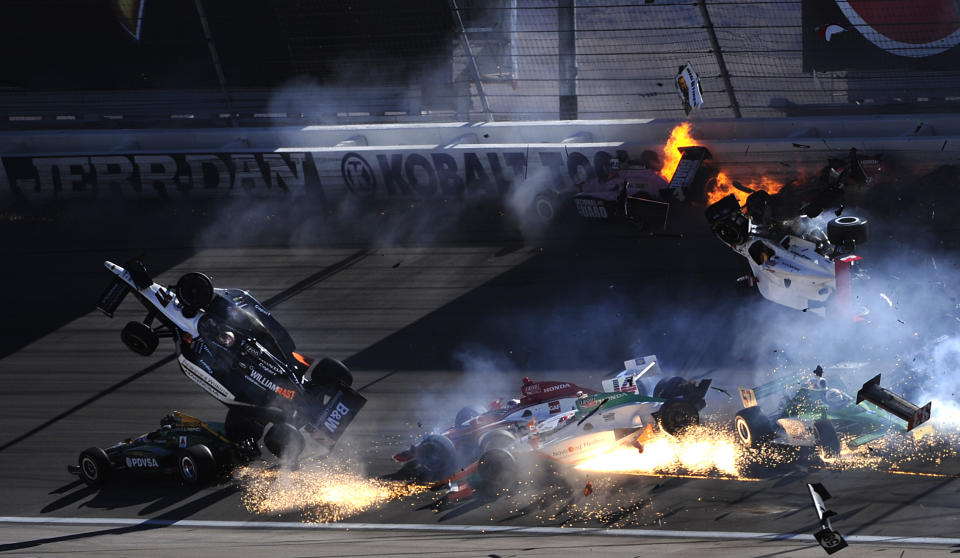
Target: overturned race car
column 231, row 346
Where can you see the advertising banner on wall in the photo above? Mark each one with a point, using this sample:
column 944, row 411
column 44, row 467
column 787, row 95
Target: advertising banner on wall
column 913, row 35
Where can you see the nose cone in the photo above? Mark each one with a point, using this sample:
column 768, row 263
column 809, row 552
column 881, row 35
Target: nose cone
column 114, row 268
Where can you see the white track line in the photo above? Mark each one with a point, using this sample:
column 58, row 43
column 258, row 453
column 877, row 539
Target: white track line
column 480, row 529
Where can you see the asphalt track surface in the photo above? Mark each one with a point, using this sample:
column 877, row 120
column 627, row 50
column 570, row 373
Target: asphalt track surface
column 419, row 323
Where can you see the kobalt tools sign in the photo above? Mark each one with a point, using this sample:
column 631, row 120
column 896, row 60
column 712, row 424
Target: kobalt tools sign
column 368, row 174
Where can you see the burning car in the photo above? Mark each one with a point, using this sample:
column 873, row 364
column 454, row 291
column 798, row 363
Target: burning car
column 816, row 416
column 194, row 450
column 232, row 347
column 792, row 260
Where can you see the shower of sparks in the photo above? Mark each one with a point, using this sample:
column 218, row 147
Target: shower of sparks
column 319, row 493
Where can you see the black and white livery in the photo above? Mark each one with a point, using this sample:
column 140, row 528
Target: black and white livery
column 231, row 346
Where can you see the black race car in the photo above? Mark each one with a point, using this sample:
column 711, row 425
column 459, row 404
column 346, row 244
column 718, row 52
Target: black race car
column 230, row 344
column 195, row 450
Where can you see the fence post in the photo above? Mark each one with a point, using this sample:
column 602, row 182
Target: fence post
column 715, row 45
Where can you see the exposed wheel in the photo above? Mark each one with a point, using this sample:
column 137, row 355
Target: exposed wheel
column 678, row 415
column 285, row 442
column 436, row 457
column 467, row 413
column 753, row 428
column 95, row 467
column 497, row 470
column 195, row 290
column 545, row 207
column 496, row 439
column 139, row 338
column 330, row 371
column 669, row 388
column 196, row 465
column 241, row 424
column 847, row 228
column 827, row 439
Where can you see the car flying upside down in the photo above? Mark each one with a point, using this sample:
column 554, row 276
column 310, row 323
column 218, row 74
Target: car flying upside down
column 231, row 346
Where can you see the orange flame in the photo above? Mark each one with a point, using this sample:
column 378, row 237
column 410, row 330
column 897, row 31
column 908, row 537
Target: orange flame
column 724, row 187
column 679, row 137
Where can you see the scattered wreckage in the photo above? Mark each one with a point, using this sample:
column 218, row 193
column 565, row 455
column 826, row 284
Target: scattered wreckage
column 194, row 450
column 624, row 414
column 830, row 540
column 816, row 416
column 792, row 260
column 229, row 344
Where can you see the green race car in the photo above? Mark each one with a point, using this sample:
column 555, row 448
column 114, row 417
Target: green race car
column 817, row 416
column 183, row 445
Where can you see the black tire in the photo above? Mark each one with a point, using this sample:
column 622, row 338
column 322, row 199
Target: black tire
column 195, row 290
column 827, row 439
column 753, row 428
column 329, row 371
column 848, row 228
column 467, row 413
column 436, row 458
column 285, row 442
column 669, row 388
column 139, row 338
column 95, row 466
column 497, row 470
column 241, row 424
column 196, row 465
column 496, row 439
column 677, row 416
column 545, row 208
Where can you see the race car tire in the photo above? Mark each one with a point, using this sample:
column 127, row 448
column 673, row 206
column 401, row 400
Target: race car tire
column 497, row 470
column 545, row 208
column 847, row 228
column 467, row 413
column 195, row 290
column 284, row 441
column 330, row 371
column 496, row 439
column 139, row 338
column 436, row 458
column 196, row 465
column 753, row 428
column 241, row 424
column 95, row 467
column 677, row 416
column 827, row 439
column 669, row 388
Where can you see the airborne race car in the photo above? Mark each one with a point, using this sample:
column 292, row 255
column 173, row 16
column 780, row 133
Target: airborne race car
column 792, row 261
column 195, row 450
column 816, row 416
column 230, row 345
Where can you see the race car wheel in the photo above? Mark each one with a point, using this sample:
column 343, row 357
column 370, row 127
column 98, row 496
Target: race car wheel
column 545, row 207
column 284, row 441
column 496, row 439
column 241, row 424
column 436, row 458
column 669, row 388
column 753, row 428
column 827, row 439
column 195, row 290
column 678, row 415
column 139, row 338
column 847, row 228
column 497, row 470
column 95, row 467
column 467, row 413
column 196, row 465
column 330, row 371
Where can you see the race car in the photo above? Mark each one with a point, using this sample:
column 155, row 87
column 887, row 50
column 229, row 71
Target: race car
column 475, row 430
column 232, row 347
column 194, row 450
column 792, row 260
column 817, row 416
column 598, row 424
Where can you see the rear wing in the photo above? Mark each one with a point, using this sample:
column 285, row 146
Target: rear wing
column 333, row 417
column 685, row 176
column 882, row 397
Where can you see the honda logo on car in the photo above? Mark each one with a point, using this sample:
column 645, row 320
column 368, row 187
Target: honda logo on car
column 333, row 421
column 142, row 462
